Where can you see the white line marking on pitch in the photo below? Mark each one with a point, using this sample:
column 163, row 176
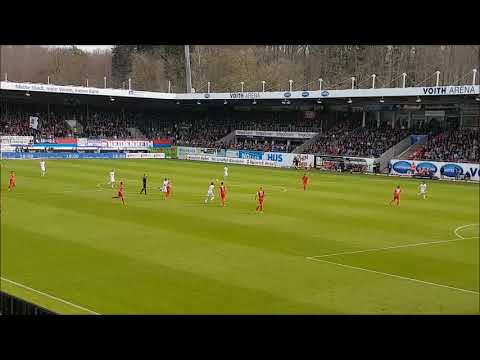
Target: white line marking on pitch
column 390, row 247
column 461, row 227
column 395, row 276
column 49, row 296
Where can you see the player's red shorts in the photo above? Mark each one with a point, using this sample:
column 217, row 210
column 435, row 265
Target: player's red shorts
column 120, row 194
column 396, row 197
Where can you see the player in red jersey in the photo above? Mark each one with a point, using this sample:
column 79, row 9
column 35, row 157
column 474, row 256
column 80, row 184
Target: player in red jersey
column 223, row 193
column 260, row 196
column 413, row 168
column 121, row 193
column 305, row 181
column 12, row 181
column 169, row 189
column 396, row 195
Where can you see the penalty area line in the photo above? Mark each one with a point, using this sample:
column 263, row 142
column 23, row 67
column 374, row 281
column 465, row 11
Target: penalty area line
column 390, row 247
column 394, row 276
column 462, row 227
column 49, row 296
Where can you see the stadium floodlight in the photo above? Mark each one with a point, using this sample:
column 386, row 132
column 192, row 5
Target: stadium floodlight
column 418, row 99
column 27, row 94
column 382, row 100
column 188, row 70
column 349, row 100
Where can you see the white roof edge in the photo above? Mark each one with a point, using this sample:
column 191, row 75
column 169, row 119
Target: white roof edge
column 350, row 93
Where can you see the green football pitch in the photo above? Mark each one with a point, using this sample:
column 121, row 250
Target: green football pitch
column 337, row 248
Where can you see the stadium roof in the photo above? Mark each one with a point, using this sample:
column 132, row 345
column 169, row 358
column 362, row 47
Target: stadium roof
column 279, row 95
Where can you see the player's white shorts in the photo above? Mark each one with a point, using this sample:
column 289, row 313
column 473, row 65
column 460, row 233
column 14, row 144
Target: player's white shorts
column 112, row 180
column 164, row 188
column 43, row 169
column 210, row 196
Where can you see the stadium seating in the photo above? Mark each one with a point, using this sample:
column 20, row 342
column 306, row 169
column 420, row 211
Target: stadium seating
column 347, row 140
column 452, row 145
column 17, row 123
column 199, row 129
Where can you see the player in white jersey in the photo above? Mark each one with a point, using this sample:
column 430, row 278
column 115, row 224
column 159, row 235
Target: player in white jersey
column 423, row 189
column 165, row 188
column 43, row 169
column 210, row 194
column 164, row 185
column 225, row 173
column 112, row 178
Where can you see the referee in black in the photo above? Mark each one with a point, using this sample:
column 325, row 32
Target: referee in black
column 144, row 183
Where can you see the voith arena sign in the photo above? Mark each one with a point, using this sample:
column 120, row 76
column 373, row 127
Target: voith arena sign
column 449, row 90
column 245, row 95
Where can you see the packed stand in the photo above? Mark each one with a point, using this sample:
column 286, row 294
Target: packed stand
column 187, row 129
column 102, row 124
column 452, row 145
column 183, row 128
column 261, row 145
column 18, row 123
column 346, row 139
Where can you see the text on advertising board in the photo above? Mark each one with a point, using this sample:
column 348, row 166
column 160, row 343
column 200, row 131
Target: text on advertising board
column 245, row 95
column 449, row 90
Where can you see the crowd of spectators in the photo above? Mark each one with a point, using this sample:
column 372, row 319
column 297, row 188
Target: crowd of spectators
column 18, row 123
column 452, row 145
column 102, row 124
column 346, row 139
column 265, row 145
column 207, row 131
column 97, row 124
column 187, row 128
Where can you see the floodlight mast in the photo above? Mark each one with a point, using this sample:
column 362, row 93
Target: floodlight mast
column 188, row 70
